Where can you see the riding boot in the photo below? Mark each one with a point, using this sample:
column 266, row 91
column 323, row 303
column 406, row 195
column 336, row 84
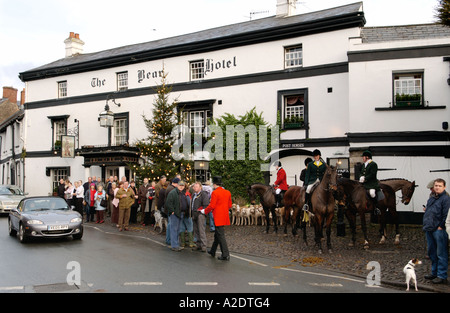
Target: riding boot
column 307, row 199
column 277, row 200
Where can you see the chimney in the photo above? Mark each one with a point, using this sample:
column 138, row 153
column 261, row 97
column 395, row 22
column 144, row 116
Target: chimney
column 10, row 93
column 286, row 8
column 74, row 45
column 22, row 97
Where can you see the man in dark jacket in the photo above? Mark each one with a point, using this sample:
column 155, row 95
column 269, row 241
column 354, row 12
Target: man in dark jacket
column 434, row 226
column 176, row 203
column 200, row 201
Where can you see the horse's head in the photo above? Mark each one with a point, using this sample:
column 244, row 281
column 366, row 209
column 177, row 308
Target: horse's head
column 407, row 192
column 331, row 176
column 251, row 194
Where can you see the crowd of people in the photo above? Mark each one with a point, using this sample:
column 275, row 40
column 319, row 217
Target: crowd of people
column 187, row 208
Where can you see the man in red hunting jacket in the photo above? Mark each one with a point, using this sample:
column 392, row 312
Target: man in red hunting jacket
column 220, row 205
column 280, row 184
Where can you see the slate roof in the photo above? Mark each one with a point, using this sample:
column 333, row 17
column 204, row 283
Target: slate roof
column 265, row 29
column 405, row 32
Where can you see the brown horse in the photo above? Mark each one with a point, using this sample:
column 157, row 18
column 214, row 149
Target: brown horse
column 266, row 195
column 407, row 189
column 294, row 199
column 353, row 195
column 323, row 203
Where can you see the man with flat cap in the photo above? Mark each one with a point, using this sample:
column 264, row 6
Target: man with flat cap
column 220, row 206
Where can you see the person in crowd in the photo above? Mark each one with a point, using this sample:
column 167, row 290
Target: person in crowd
column 115, row 203
column 160, row 185
column 200, row 201
column 434, row 226
column 99, row 208
column 280, row 184
column 135, row 205
column 89, row 199
column 69, row 193
column 175, row 203
column 314, row 174
column 303, row 172
column 220, row 205
column 61, row 188
column 149, row 204
column 142, row 198
column 186, row 224
column 173, row 185
column 126, row 200
column 79, row 197
column 109, row 198
column 207, row 187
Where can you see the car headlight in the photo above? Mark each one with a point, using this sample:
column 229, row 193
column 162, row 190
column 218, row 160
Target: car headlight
column 75, row 220
column 34, row 222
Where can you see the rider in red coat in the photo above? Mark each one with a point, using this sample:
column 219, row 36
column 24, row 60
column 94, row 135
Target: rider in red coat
column 280, row 184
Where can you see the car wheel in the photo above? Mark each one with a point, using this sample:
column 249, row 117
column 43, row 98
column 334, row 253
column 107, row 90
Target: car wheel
column 78, row 236
column 22, row 237
column 12, row 231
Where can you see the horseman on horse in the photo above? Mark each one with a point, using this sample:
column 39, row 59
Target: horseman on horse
column 280, row 184
column 369, row 177
column 314, row 175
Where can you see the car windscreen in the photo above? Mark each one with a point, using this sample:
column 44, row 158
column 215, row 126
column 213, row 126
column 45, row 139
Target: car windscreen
column 10, row 191
column 41, row 204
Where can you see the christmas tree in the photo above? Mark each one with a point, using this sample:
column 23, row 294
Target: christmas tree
column 156, row 149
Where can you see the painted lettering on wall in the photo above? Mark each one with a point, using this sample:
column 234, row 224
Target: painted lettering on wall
column 211, row 65
column 97, row 82
column 142, row 75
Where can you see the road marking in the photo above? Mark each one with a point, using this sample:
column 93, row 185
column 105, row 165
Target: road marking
column 326, row 285
column 325, row 275
column 143, row 283
column 264, row 284
column 248, row 260
column 12, row 288
column 201, row 283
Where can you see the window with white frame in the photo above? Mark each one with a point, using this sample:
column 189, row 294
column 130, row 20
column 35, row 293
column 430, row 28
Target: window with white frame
column 408, row 89
column 294, row 111
column 60, row 129
column 120, row 131
column 57, row 175
column 196, row 120
column 62, row 89
column 197, row 69
column 293, row 56
column 122, row 81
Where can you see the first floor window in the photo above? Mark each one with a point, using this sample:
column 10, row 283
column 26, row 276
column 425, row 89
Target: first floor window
column 294, row 111
column 120, row 132
column 196, row 121
column 408, row 89
column 60, row 129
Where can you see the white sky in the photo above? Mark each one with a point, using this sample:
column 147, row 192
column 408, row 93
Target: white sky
column 32, row 33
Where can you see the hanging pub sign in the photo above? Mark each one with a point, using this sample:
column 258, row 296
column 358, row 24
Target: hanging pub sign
column 67, row 146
